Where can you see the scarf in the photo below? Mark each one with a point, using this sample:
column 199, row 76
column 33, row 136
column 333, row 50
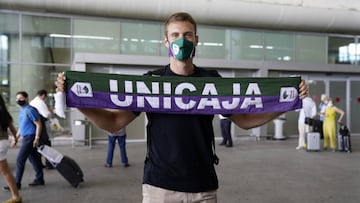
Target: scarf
column 182, row 95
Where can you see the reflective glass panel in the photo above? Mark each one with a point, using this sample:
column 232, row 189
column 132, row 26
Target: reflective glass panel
column 9, row 38
column 46, row 40
column 247, row 45
column 342, row 50
column 163, row 49
column 338, row 95
column 9, row 51
column 279, row 47
column 96, row 36
column 212, row 43
column 36, row 77
column 355, row 107
column 310, row 49
column 141, row 38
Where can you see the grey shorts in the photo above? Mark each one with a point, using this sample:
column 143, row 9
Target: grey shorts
column 4, row 146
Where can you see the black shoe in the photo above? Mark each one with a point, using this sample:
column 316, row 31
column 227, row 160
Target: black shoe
column 50, row 167
column 126, row 165
column 229, row 145
column 222, row 143
column 108, row 165
column 37, row 183
column 7, row 188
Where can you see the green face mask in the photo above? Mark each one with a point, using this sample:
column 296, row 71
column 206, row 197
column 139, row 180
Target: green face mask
column 182, row 49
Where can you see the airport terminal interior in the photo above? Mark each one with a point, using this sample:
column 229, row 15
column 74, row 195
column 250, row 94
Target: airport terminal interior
column 316, row 40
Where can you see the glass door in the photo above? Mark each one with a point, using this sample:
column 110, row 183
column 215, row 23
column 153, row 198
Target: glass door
column 354, row 103
column 344, row 91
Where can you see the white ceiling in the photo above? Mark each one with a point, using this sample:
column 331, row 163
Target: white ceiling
column 333, row 16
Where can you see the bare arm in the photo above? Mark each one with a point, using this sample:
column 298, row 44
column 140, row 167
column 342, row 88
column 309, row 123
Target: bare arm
column 12, row 129
column 248, row 121
column 37, row 133
column 341, row 112
column 109, row 120
column 14, row 132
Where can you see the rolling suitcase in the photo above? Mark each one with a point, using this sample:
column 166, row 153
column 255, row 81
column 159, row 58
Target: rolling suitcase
column 313, row 141
column 344, row 139
column 340, row 143
column 65, row 165
column 71, row 171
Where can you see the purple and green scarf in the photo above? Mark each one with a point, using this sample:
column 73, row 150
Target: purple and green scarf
column 182, row 95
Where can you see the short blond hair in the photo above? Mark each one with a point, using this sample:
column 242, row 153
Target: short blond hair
column 323, row 97
column 180, row 17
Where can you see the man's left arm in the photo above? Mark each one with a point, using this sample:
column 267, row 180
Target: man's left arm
column 38, row 133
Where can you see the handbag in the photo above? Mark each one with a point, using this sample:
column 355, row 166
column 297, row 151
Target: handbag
column 309, row 121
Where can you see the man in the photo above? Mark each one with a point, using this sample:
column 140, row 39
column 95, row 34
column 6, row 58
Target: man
column 225, row 125
column 29, row 129
column 308, row 111
column 120, row 137
column 39, row 103
column 179, row 165
column 322, row 108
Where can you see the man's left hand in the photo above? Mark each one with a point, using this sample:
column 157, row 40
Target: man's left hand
column 303, row 90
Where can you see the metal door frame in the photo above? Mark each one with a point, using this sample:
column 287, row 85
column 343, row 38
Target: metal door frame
column 347, row 80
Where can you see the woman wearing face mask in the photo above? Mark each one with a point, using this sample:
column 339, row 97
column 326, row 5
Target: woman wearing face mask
column 329, row 126
column 6, row 122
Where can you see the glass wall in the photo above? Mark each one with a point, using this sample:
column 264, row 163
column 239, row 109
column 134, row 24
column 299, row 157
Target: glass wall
column 355, row 106
column 247, row 45
column 343, row 50
column 279, row 47
column 310, row 49
column 338, row 95
column 95, row 36
column 141, row 38
column 46, row 40
column 9, row 46
column 35, row 47
column 212, row 43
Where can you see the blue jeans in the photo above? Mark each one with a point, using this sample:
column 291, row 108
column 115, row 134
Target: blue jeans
column 28, row 151
column 225, row 125
column 111, row 147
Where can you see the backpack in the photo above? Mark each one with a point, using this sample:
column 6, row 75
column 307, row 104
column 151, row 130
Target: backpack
column 44, row 137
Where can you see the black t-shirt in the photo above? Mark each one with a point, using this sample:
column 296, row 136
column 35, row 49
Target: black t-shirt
column 180, row 154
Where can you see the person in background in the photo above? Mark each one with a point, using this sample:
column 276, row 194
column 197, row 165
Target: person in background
column 308, row 111
column 39, row 103
column 322, row 109
column 6, row 123
column 225, row 125
column 329, row 126
column 30, row 131
column 179, row 164
column 120, row 136
column 45, row 114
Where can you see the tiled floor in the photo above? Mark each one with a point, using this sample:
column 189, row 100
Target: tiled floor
column 262, row 171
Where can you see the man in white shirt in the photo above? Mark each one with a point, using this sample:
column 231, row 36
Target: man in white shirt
column 39, row 103
column 308, row 110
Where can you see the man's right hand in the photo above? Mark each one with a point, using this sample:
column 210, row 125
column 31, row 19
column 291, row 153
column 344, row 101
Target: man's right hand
column 60, row 82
